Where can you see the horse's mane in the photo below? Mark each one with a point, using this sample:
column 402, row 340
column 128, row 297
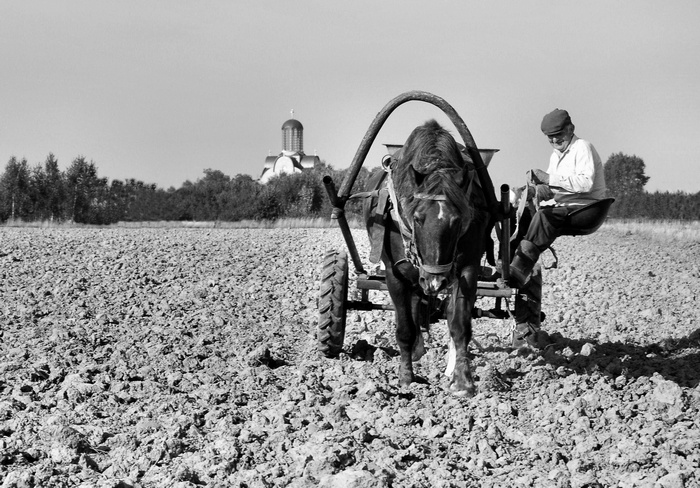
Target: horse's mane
column 433, row 153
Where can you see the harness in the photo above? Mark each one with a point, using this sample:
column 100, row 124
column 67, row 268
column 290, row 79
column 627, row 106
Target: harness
column 408, row 233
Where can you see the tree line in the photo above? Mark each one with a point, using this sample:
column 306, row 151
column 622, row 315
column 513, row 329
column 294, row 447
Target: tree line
column 625, row 178
column 78, row 194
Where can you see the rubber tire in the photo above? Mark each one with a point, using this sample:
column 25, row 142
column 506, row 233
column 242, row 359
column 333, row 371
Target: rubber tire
column 332, row 298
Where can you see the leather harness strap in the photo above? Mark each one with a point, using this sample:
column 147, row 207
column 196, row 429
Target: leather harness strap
column 408, row 232
column 405, row 231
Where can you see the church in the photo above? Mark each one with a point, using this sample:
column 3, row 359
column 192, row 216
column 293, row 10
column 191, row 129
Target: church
column 292, row 158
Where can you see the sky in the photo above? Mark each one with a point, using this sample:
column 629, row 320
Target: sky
column 161, row 90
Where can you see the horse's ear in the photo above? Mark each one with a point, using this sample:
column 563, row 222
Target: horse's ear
column 417, row 177
column 459, row 177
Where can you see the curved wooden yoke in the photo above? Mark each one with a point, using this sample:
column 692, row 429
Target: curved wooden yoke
column 587, row 219
column 373, row 130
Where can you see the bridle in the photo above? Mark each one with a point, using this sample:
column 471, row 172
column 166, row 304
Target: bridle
column 433, row 268
column 408, row 232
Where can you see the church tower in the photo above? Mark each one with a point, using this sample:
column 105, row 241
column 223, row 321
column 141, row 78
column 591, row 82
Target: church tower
column 293, row 136
column 292, row 158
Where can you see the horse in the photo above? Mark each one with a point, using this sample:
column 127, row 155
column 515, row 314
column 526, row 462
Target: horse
column 433, row 243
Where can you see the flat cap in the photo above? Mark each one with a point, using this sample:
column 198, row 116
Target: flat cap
column 555, row 121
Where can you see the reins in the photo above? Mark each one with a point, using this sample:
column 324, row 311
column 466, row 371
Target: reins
column 425, row 196
column 535, row 201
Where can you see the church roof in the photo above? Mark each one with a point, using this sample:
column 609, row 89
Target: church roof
column 292, row 124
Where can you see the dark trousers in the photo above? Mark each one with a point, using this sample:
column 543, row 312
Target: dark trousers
column 541, row 229
column 546, row 224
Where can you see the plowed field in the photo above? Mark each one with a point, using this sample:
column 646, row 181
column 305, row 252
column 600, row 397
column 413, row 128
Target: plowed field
column 171, row 357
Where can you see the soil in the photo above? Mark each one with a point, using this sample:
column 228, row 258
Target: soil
column 171, row 357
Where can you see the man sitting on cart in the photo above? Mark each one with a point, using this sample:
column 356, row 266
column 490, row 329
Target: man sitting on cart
column 575, row 177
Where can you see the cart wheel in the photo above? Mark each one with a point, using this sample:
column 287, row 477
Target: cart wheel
column 331, row 303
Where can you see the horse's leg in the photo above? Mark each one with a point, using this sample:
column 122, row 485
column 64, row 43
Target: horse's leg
column 421, row 320
column 459, row 319
column 406, row 332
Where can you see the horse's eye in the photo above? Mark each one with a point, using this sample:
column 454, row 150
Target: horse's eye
column 418, row 219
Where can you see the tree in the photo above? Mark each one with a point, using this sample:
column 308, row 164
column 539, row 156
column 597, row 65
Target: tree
column 213, row 193
column 14, row 189
column 137, row 200
column 243, row 193
column 298, row 195
column 624, row 175
column 85, row 191
column 119, row 199
column 48, row 190
column 183, row 202
column 267, row 205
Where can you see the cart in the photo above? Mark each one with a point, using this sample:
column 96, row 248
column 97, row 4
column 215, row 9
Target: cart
column 333, row 303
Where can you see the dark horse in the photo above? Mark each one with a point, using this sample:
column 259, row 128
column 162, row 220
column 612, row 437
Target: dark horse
column 434, row 243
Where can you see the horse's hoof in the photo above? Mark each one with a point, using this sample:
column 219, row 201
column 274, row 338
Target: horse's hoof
column 462, row 391
column 405, row 379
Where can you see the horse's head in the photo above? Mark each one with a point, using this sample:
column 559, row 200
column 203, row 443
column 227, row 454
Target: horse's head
column 434, row 196
column 439, row 222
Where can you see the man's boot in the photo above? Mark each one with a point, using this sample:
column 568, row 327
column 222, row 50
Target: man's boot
column 526, row 255
column 528, row 308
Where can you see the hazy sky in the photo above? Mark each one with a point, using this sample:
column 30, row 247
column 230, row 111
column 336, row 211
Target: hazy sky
column 161, row 90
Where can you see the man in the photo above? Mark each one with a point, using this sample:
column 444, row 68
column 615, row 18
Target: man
column 574, row 177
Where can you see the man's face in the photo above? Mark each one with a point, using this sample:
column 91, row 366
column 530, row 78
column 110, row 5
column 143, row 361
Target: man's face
column 561, row 140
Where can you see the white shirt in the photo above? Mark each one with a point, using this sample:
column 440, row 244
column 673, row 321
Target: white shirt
column 576, row 176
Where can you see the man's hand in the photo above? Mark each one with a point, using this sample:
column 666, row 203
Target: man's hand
column 538, row 193
column 539, row 177
column 543, row 193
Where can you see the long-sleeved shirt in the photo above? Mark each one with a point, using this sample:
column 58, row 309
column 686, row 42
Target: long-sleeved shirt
column 576, row 176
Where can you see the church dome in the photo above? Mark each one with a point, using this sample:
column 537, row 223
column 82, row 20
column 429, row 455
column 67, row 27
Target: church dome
column 292, row 124
column 292, row 136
